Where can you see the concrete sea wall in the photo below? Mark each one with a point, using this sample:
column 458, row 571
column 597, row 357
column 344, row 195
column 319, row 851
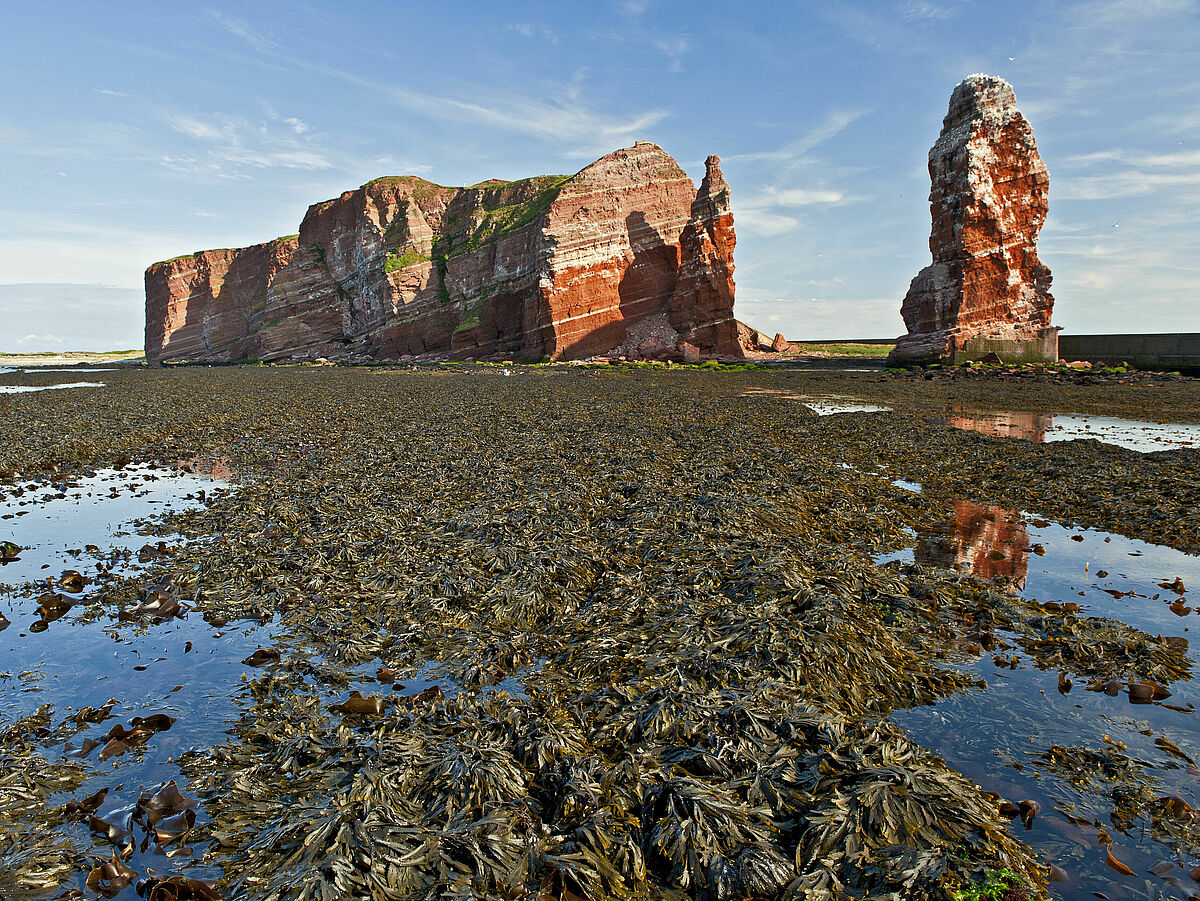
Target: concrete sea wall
column 1179, row 350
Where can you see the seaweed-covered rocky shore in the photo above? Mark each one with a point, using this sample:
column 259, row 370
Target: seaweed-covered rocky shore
column 574, row 632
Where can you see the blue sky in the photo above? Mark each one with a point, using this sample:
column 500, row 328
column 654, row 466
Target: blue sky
column 132, row 132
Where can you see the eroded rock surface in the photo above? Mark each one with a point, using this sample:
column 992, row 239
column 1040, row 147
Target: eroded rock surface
column 986, row 290
column 622, row 253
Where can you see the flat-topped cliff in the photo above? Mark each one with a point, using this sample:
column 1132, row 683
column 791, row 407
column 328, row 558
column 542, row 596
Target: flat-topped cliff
column 626, row 255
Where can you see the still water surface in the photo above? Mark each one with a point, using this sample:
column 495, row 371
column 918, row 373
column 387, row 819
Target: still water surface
column 1000, row 736
column 72, row 654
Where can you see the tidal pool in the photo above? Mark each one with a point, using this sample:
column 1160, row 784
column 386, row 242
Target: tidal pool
column 122, row 696
column 1102, row 761
column 606, row 621
column 30, row 370
column 1136, row 435
column 25, row 389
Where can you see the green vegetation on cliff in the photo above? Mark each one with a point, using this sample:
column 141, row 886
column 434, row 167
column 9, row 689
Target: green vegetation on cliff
column 397, row 261
column 503, row 208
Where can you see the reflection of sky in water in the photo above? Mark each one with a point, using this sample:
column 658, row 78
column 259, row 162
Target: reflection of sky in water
column 838, row 405
column 1132, row 434
column 822, row 406
column 97, row 510
column 182, row 667
column 25, row 389
column 71, row 369
column 994, row 736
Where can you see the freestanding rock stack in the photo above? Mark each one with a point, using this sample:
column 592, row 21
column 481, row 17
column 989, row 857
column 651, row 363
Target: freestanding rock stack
column 624, row 256
column 986, row 291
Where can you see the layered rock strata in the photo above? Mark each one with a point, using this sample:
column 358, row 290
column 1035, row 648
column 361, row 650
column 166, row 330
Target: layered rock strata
column 986, row 290
column 626, row 256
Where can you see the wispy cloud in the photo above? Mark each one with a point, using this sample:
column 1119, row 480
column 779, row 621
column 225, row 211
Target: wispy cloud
column 765, row 212
column 241, row 29
column 633, row 7
column 1129, row 174
column 927, row 12
column 228, row 145
column 534, row 30
column 40, row 341
column 763, row 222
column 202, row 131
column 674, row 47
column 1123, row 184
column 833, row 124
column 564, row 117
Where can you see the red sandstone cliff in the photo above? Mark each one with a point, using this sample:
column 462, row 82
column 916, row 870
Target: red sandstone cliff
column 209, row 306
column 624, row 255
column 986, row 289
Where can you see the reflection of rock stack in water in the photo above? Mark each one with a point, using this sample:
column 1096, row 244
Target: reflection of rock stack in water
column 1028, row 426
column 989, row 542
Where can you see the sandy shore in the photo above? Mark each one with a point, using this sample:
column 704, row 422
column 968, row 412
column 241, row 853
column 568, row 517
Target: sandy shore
column 25, row 361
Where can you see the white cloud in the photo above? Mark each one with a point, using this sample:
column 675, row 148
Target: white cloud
column 1122, row 184
column 674, row 47
column 229, row 145
column 239, row 28
column 804, row 196
column 40, row 341
column 1130, row 174
column 761, row 222
column 563, row 117
column 759, row 213
column 201, row 131
column 927, row 12
column 834, row 123
column 534, row 30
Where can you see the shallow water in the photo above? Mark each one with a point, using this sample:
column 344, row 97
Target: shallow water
column 822, row 406
column 838, row 405
column 1136, row 435
column 57, row 521
column 996, row 736
column 86, row 657
column 70, row 369
column 25, row 389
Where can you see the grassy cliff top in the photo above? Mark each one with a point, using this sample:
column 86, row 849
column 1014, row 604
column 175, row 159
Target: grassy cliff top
column 187, row 256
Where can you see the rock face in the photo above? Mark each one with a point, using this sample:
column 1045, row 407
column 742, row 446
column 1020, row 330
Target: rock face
column 624, row 255
column 986, row 290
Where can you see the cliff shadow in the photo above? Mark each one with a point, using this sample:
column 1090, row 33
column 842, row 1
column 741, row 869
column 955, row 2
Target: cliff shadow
column 644, row 290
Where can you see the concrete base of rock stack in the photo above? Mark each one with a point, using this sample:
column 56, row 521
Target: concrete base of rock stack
column 626, row 257
column 986, row 294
